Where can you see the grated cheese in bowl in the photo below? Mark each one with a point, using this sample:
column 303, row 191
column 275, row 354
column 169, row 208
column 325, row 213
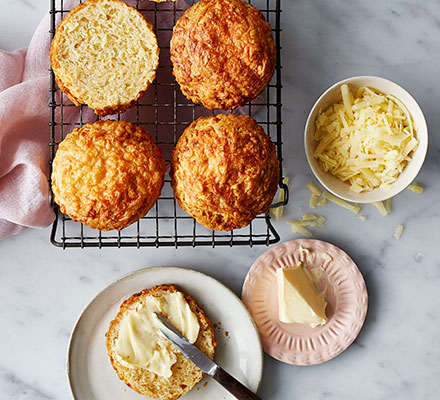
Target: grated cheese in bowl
column 365, row 140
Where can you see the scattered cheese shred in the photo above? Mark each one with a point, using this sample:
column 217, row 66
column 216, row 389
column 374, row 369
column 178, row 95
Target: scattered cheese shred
column 342, row 203
column 326, row 257
column 398, row 232
column 278, row 211
column 346, row 98
column 314, row 189
column 388, row 205
column 313, row 200
column 308, row 223
column 298, row 228
column 416, row 188
column 303, row 250
column 309, row 217
column 365, row 140
column 322, row 202
column 379, row 205
column 363, row 218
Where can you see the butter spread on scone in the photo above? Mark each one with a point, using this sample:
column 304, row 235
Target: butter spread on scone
column 128, row 355
column 140, row 342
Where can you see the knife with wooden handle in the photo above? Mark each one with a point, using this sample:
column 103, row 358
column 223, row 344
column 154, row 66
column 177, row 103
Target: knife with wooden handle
column 236, row 388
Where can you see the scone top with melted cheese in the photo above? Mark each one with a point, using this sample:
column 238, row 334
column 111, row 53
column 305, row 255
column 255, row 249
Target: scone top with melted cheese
column 107, row 174
column 224, row 171
column 223, row 53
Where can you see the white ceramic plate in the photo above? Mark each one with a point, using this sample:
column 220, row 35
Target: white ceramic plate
column 239, row 349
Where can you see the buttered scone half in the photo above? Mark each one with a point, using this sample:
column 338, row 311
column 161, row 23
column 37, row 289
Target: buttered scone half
column 224, row 171
column 143, row 358
column 104, row 54
column 223, row 53
column 107, row 174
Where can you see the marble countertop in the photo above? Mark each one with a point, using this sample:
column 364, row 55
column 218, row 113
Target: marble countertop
column 396, row 356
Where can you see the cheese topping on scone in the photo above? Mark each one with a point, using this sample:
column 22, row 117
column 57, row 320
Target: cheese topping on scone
column 224, row 171
column 223, row 53
column 107, row 174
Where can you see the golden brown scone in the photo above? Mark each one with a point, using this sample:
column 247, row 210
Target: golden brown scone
column 107, row 174
column 184, row 373
column 104, row 54
column 223, row 53
column 224, row 171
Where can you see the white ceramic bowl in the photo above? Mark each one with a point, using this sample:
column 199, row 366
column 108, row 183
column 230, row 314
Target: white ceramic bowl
column 334, row 184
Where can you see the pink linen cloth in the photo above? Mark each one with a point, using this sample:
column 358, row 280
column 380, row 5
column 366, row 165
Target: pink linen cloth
column 24, row 135
column 24, row 131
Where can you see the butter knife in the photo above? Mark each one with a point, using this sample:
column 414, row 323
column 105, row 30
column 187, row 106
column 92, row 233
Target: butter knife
column 236, row 388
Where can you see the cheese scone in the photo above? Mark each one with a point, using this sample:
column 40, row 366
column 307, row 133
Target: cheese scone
column 144, row 359
column 107, row 174
column 223, row 53
column 224, row 171
column 104, row 54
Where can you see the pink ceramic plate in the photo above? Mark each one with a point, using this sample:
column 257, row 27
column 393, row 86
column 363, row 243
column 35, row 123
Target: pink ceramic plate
column 346, row 296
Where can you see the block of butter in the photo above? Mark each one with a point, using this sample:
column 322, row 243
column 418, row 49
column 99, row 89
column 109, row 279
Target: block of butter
column 298, row 298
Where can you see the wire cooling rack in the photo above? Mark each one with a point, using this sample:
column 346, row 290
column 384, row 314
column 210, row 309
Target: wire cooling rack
column 165, row 113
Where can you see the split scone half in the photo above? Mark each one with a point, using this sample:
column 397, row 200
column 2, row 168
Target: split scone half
column 223, row 53
column 143, row 358
column 224, row 171
column 104, row 54
column 107, row 174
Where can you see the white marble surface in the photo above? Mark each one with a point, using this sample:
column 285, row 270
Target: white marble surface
column 397, row 355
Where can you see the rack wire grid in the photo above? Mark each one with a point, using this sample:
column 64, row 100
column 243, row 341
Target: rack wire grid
column 165, row 113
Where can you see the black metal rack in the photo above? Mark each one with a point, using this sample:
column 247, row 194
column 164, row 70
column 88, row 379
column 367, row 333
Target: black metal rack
column 165, row 113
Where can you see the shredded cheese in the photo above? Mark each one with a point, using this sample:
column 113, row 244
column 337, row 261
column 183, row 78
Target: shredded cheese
column 308, row 223
column 278, row 211
column 326, row 257
column 298, row 228
column 309, row 217
column 414, row 187
column 322, row 202
column 398, row 232
column 314, row 189
column 320, row 222
column 388, row 205
column 363, row 218
column 379, row 205
column 365, row 140
column 342, row 203
column 313, row 200
column 304, row 251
